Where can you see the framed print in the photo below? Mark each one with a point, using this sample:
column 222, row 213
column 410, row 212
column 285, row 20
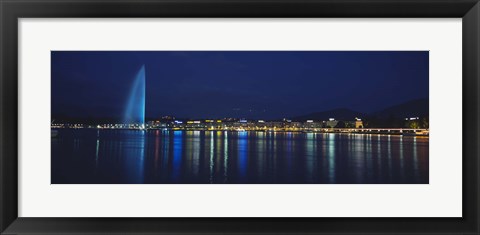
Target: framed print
column 261, row 139
column 239, row 117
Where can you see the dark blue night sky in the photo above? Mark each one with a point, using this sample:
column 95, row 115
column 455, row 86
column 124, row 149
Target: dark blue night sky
column 242, row 84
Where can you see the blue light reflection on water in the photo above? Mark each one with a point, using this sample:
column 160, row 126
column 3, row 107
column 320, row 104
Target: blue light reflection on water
column 177, row 155
column 133, row 156
column 133, row 161
column 242, row 156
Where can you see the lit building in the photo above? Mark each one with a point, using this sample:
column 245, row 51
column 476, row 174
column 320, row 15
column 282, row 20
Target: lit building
column 331, row 123
column 309, row 124
column 358, row 123
column 194, row 124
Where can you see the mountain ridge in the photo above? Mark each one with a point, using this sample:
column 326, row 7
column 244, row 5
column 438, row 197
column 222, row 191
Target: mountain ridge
column 411, row 108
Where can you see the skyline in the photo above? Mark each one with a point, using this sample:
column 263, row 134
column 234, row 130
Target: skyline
column 243, row 84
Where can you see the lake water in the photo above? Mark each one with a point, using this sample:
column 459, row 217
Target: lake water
column 91, row 156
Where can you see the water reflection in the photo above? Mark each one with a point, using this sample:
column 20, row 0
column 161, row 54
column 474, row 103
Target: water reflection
column 402, row 175
column 389, row 157
column 415, row 158
column 242, row 156
column 260, row 153
column 225, row 157
column 131, row 152
column 310, row 156
column 96, row 149
column 113, row 156
column 212, row 155
column 331, row 158
column 177, row 155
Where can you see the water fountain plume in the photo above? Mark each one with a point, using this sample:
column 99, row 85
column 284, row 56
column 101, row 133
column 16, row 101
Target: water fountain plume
column 135, row 108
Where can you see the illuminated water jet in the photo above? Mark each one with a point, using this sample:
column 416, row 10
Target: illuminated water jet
column 135, row 109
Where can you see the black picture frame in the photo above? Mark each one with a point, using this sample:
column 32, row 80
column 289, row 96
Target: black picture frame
column 12, row 10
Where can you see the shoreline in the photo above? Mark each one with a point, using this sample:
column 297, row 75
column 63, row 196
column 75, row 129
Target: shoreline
column 329, row 131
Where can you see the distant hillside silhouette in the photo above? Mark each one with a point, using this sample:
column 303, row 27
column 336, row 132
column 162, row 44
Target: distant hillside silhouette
column 338, row 114
column 413, row 108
